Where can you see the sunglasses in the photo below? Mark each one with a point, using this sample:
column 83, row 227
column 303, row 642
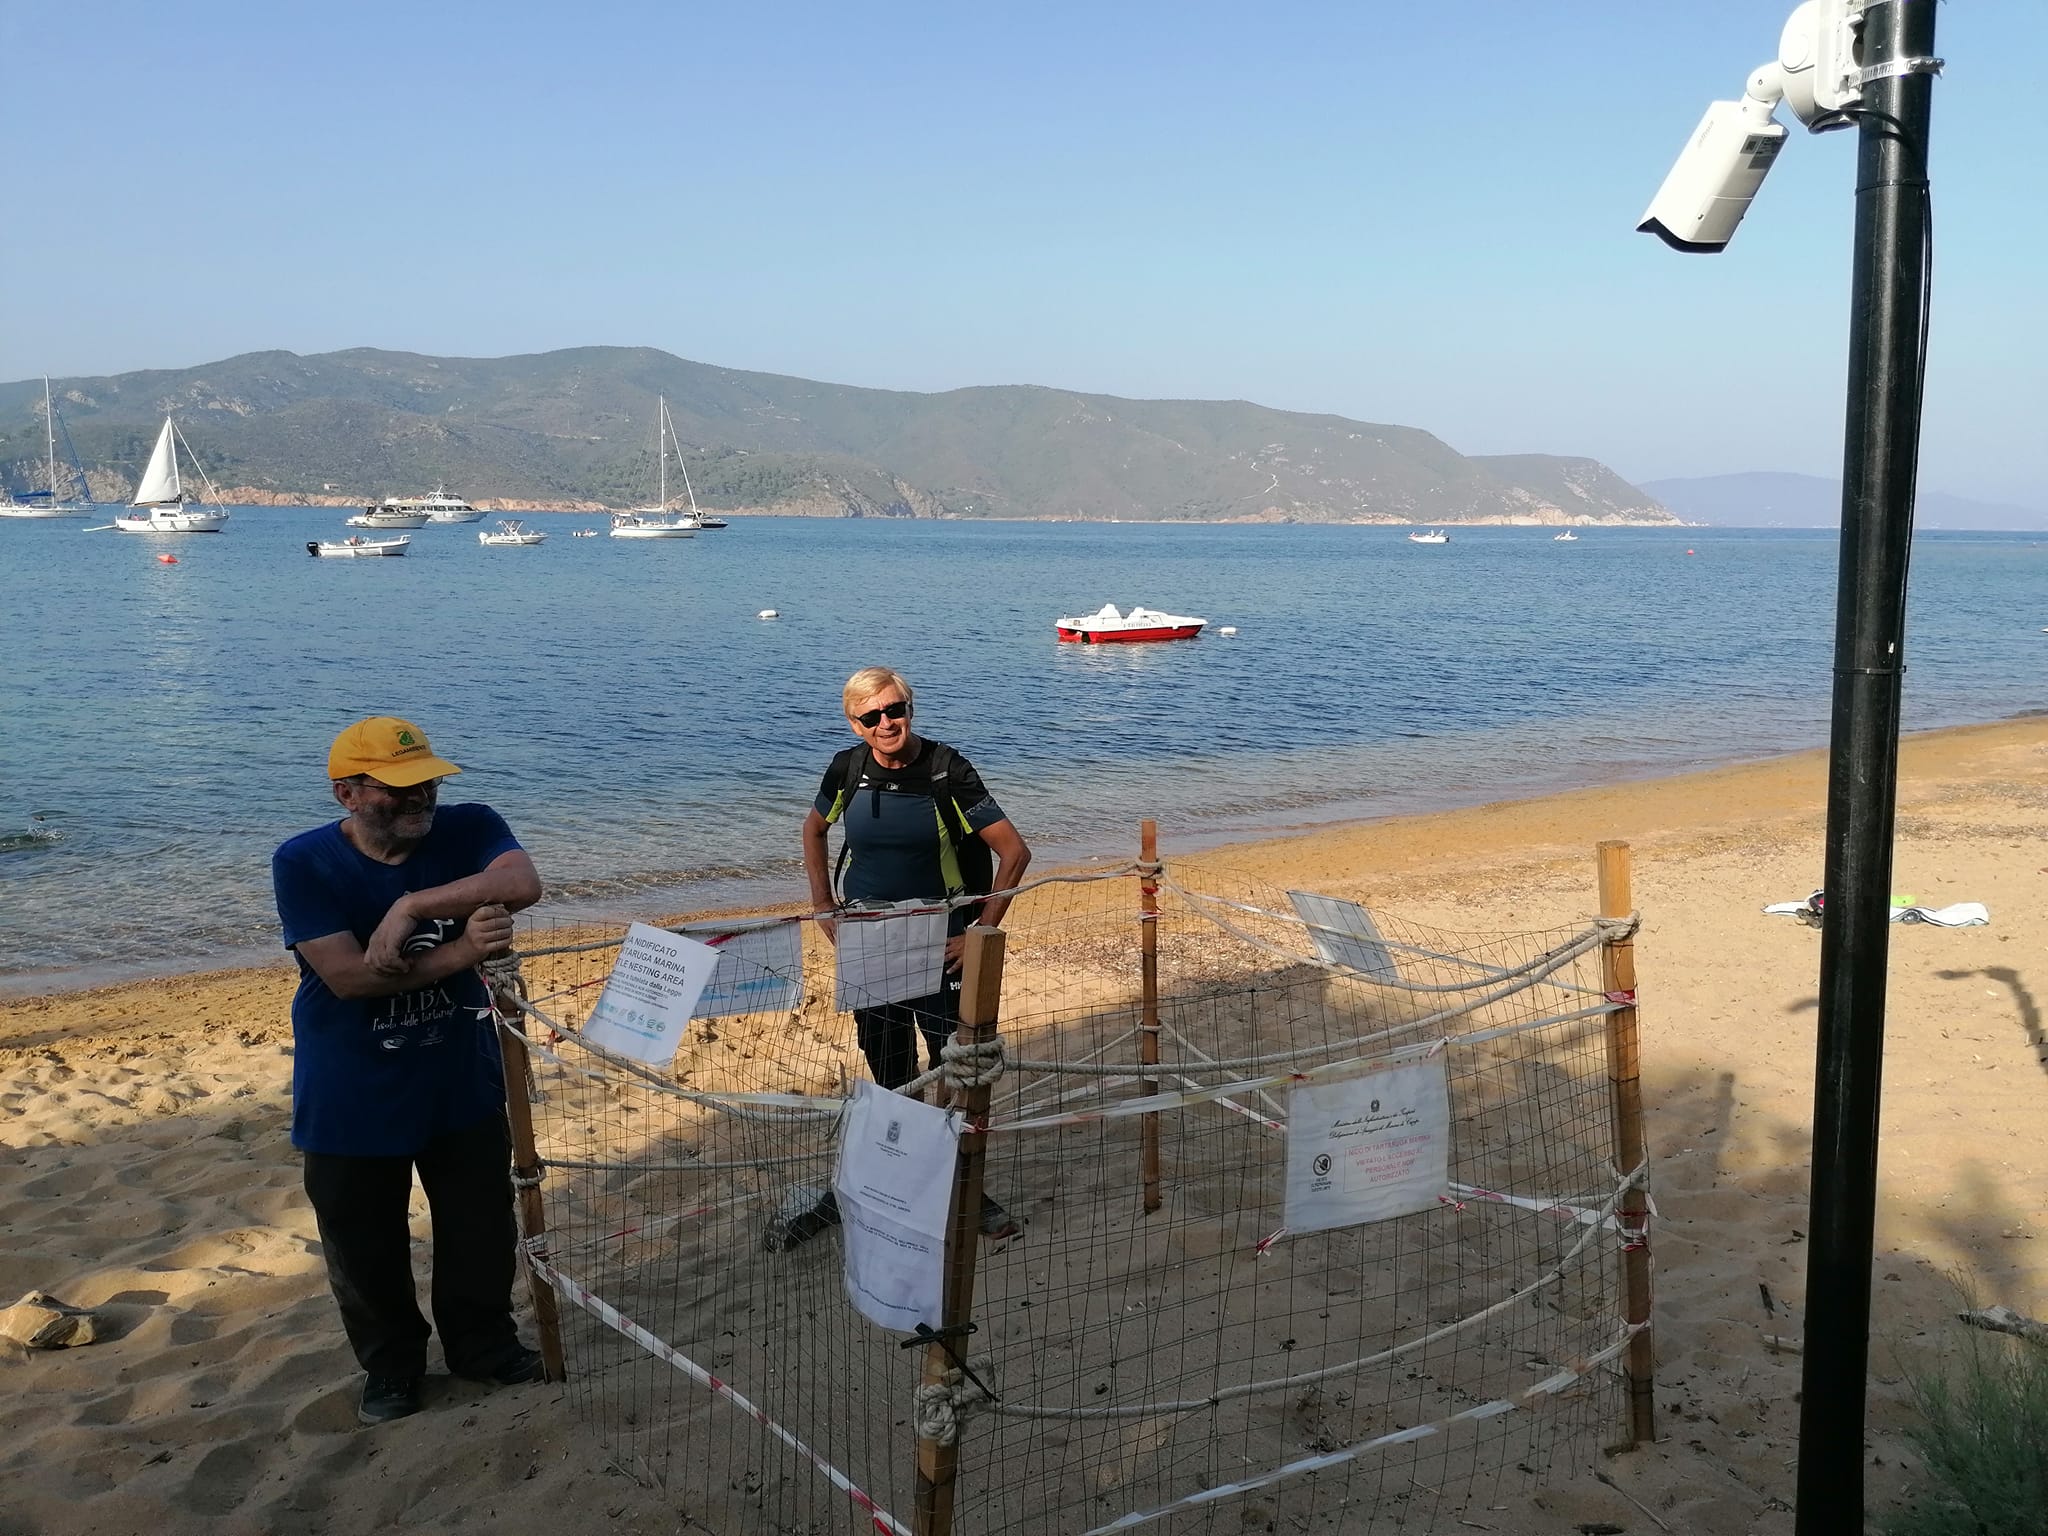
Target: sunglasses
column 424, row 787
column 869, row 719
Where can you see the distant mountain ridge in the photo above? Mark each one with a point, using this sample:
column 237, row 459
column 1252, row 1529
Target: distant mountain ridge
column 1766, row 499
column 577, row 426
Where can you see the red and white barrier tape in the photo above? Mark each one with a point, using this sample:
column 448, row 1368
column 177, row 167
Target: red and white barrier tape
column 612, row 1318
column 1550, row 1385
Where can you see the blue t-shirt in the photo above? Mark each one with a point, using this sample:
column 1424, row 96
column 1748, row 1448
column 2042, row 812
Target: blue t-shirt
column 383, row 1076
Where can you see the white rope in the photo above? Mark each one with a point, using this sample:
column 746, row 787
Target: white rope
column 1302, row 1053
column 833, row 914
column 938, row 1408
column 745, row 1106
column 1637, row 1179
column 1549, row 1386
column 972, row 1064
column 1539, row 969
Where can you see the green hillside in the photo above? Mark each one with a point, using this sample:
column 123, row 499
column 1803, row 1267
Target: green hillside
column 578, row 425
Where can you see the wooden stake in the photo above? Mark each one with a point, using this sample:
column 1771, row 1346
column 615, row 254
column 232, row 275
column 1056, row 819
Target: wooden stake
column 1148, row 1021
column 533, row 1218
column 981, row 994
column 1624, row 1077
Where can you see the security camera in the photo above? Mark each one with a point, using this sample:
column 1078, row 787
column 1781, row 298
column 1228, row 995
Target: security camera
column 1718, row 172
column 1720, row 168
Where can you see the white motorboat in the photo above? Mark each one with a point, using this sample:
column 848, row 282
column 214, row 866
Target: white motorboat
column 661, row 521
column 47, row 503
column 160, row 504
column 356, row 547
column 437, row 506
column 1567, row 537
column 1430, row 536
column 509, row 533
column 584, row 533
column 1108, row 626
column 387, row 517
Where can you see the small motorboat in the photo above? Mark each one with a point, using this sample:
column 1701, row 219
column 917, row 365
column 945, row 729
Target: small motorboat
column 356, row 547
column 388, row 517
column 1107, row 625
column 1567, row 537
column 709, row 520
column 1430, row 536
column 583, row 533
column 510, row 532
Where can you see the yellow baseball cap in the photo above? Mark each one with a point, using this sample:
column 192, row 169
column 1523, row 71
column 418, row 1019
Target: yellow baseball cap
column 389, row 750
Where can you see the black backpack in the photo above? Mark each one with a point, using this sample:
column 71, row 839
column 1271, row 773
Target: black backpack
column 938, row 775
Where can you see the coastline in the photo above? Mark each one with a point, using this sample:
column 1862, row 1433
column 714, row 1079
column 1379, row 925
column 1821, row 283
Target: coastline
column 152, row 1175
column 1403, row 836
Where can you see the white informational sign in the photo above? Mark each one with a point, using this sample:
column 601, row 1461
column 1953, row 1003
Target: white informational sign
column 1366, row 1142
column 760, row 970
column 895, row 1189
column 1344, row 934
column 890, row 955
column 646, row 1003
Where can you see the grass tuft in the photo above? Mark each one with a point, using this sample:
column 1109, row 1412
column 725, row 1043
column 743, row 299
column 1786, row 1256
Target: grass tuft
column 1982, row 1436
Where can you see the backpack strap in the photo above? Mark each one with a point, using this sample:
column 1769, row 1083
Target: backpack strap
column 848, row 768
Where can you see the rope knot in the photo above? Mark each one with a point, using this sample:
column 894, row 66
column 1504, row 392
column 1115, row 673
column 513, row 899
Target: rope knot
column 972, row 1064
column 508, row 986
column 939, row 1407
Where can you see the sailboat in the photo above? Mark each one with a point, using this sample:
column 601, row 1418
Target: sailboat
column 159, row 505
column 657, row 522
column 44, row 503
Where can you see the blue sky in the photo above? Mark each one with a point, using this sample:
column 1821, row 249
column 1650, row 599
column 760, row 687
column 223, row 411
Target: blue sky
column 1419, row 214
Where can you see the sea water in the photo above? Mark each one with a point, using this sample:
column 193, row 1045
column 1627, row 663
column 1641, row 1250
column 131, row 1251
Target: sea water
column 655, row 744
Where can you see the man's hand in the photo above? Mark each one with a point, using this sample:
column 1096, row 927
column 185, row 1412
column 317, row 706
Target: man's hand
column 956, row 951
column 489, row 931
column 385, row 953
column 829, row 926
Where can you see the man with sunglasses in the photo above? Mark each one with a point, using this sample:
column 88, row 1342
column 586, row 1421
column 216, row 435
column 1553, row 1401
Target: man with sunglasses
column 919, row 826
column 389, row 912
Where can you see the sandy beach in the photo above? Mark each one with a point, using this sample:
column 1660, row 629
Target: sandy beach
column 148, row 1174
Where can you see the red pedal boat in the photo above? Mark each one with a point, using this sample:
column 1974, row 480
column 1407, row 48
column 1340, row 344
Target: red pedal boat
column 1108, row 625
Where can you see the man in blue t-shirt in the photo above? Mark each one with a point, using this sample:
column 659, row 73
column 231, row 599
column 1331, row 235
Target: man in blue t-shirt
column 389, row 911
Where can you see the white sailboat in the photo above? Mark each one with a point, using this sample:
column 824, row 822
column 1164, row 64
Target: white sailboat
column 159, row 505
column 657, row 522
column 45, row 503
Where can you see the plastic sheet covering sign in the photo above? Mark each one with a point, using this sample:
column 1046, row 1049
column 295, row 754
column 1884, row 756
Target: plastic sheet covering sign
column 895, row 1186
column 890, row 953
column 1367, row 1141
column 1344, row 934
column 646, row 1002
column 760, row 970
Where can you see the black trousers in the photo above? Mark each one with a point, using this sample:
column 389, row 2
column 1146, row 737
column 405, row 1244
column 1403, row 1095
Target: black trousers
column 361, row 1204
column 888, row 1033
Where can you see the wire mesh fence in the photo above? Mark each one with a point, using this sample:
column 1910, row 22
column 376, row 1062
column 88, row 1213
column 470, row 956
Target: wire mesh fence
column 1151, row 1345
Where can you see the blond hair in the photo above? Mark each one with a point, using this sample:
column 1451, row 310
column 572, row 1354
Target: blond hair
column 872, row 680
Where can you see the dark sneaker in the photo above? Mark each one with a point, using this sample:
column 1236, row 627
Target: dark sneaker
column 388, row 1397
column 805, row 1213
column 996, row 1222
column 515, row 1367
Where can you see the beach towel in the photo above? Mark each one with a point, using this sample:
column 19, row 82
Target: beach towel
column 1961, row 914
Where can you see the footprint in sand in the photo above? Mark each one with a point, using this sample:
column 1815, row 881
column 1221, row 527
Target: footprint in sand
column 222, row 1480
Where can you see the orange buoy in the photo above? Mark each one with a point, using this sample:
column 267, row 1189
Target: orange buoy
column 173, row 559
column 1688, row 551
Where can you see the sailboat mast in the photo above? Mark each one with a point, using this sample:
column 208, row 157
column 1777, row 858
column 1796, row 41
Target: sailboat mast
column 660, row 448
column 50, row 432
